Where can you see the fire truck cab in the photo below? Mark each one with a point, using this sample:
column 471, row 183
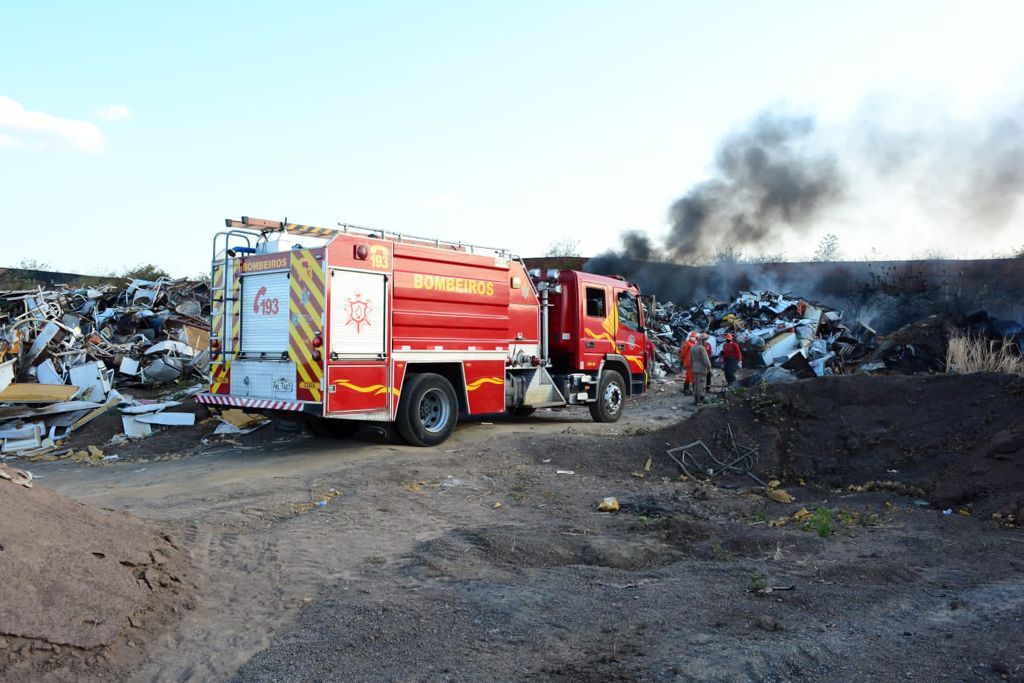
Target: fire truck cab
column 348, row 325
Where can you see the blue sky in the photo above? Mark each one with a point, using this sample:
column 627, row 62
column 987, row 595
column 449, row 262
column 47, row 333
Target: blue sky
column 129, row 131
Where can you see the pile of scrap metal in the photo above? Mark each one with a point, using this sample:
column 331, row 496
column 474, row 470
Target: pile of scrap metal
column 785, row 336
column 64, row 350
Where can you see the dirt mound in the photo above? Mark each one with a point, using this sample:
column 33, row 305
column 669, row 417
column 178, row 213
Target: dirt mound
column 75, row 579
column 958, row 437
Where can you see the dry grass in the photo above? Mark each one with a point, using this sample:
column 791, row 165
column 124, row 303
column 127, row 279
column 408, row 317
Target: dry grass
column 968, row 353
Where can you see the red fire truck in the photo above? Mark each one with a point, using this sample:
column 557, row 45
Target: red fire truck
column 354, row 324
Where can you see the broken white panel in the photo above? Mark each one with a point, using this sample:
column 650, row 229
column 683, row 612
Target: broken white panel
column 169, row 419
column 129, row 366
column 781, row 305
column 47, row 373
column 814, row 314
column 21, row 430
column 46, row 335
column 142, row 408
column 780, row 347
column 135, row 429
column 165, row 369
column 15, row 445
column 94, row 380
column 6, row 374
column 818, row 365
column 171, row 345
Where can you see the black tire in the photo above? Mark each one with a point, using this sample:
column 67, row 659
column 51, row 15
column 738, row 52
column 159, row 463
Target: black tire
column 428, row 410
column 611, row 395
column 330, row 428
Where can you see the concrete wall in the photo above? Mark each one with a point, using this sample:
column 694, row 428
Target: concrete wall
column 23, row 278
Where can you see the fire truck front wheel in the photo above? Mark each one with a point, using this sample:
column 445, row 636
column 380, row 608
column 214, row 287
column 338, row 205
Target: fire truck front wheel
column 610, row 396
column 428, row 410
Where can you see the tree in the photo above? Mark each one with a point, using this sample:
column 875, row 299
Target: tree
column 725, row 256
column 147, row 271
column 32, row 264
column 828, row 248
column 564, row 247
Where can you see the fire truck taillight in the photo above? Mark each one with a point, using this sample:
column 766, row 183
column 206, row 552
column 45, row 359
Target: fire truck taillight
column 318, row 341
column 215, row 344
column 361, row 252
column 315, row 355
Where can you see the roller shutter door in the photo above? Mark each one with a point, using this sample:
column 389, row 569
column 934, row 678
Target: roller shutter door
column 265, row 299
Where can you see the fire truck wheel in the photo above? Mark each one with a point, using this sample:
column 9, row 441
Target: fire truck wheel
column 428, row 410
column 610, row 397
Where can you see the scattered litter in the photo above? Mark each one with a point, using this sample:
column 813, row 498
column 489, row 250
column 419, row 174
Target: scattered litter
column 168, row 419
column 236, row 421
column 696, row 458
column 134, row 429
column 610, row 504
column 496, row 505
column 947, row 511
column 564, row 472
column 15, row 476
column 142, row 407
column 779, row 495
column 451, row 483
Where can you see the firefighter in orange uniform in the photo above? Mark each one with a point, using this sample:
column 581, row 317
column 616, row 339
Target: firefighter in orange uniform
column 684, row 356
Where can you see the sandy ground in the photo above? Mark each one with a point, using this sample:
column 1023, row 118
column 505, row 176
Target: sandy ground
column 478, row 560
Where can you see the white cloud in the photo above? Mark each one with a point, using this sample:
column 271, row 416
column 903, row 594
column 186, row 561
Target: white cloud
column 8, row 141
column 20, row 127
column 114, row 112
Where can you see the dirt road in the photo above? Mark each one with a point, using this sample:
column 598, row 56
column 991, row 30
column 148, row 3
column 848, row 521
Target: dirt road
column 479, row 560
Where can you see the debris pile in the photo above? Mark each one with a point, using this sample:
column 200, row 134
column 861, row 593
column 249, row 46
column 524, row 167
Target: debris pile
column 65, row 352
column 789, row 337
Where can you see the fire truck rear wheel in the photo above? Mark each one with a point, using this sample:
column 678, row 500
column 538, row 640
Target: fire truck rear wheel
column 611, row 394
column 428, row 410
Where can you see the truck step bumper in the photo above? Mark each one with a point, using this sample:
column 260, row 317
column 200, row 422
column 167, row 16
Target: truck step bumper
column 254, row 403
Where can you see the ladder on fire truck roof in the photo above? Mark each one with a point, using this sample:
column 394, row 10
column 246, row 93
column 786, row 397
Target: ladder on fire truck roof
column 265, row 227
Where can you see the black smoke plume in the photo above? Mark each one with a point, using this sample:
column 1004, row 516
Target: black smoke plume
column 768, row 176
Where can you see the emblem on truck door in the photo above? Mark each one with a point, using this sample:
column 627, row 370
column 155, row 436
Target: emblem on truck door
column 358, row 312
